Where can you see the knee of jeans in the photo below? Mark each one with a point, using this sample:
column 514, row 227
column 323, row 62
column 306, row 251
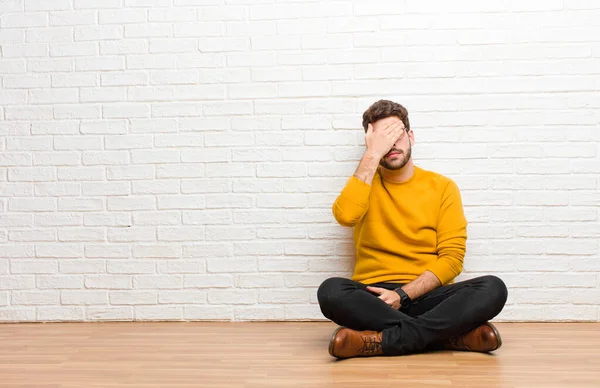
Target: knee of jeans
column 496, row 290
column 329, row 292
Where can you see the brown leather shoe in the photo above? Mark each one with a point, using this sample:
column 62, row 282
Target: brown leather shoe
column 346, row 343
column 484, row 338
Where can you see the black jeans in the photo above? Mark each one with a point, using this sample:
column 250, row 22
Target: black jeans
column 447, row 311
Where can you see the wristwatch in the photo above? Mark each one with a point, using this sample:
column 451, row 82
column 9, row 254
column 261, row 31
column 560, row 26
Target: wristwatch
column 405, row 300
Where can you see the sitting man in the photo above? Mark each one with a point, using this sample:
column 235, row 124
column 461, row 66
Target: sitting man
column 410, row 237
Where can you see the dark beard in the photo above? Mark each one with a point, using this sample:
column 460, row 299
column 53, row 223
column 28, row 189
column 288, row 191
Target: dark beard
column 397, row 165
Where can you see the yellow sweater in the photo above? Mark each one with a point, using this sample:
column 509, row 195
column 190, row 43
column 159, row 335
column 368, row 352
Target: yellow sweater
column 403, row 229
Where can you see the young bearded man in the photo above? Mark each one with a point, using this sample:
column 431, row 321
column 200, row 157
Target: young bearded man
column 410, row 236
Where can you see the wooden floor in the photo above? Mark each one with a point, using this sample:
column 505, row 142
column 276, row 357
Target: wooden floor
column 165, row 355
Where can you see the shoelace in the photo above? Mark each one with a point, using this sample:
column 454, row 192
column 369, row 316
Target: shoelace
column 370, row 345
column 458, row 343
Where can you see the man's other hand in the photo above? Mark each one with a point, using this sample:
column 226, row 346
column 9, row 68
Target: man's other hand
column 390, row 297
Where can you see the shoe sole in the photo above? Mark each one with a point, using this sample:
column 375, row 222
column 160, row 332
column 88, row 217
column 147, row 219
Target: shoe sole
column 332, row 343
column 497, row 335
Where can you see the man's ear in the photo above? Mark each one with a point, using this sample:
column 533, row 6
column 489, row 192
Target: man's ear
column 411, row 137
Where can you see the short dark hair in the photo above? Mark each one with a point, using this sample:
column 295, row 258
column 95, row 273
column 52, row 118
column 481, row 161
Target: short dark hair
column 383, row 109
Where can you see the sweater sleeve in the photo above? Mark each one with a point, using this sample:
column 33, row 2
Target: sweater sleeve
column 451, row 236
column 352, row 203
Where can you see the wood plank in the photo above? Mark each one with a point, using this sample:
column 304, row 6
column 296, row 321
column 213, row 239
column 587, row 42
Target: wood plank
column 280, row 354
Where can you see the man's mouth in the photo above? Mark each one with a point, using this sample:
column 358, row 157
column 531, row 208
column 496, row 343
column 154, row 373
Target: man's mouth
column 393, row 153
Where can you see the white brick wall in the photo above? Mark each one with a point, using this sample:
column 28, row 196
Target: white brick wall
column 178, row 159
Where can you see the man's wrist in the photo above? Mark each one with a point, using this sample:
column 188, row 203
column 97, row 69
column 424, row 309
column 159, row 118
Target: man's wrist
column 405, row 300
column 372, row 156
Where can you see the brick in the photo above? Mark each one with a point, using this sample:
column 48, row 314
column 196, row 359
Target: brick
column 31, row 174
column 50, row 65
column 109, row 313
column 156, row 218
column 287, row 264
column 231, row 265
column 63, row 127
column 172, row 15
column 258, row 248
column 281, row 233
column 158, row 313
column 113, row 282
column 79, row 49
column 108, row 250
column 125, row 16
column 17, row 189
column 236, row 297
column 24, row 50
column 182, row 297
column 84, row 297
column 41, row 5
column 48, row 35
column 74, row 79
column 257, row 186
column 84, row 266
column 155, row 156
column 210, row 313
column 176, row 109
column 130, row 173
column 181, row 233
column 15, row 159
column 58, row 219
column 32, row 235
column 16, row 20
column 204, row 186
column 288, row 170
column 104, row 127
column 181, row 202
column 104, row 94
column 60, row 314
column 72, row 18
column 153, row 126
column 39, row 266
column 125, row 110
column 219, row 233
column 131, row 203
column 80, row 204
column 107, row 219
column 208, row 281
column 91, row 189
column 80, row 111
column 17, row 282
column 130, row 267
column 163, row 186
column 167, row 171
column 223, row 44
column 15, row 314
column 81, row 173
column 182, row 266
column 132, row 234
column 126, row 78
column 206, row 217
column 81, row 234
column 58, row 250
column 148, row 30
column 36, row 143
column 105, row 158
column 133, row 298
column 147, row 61
column 158, row 282
column 32, row 204
column 28, row 113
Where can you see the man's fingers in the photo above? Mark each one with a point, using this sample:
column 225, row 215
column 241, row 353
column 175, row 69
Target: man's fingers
column 376, row 290
column 390, row 128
